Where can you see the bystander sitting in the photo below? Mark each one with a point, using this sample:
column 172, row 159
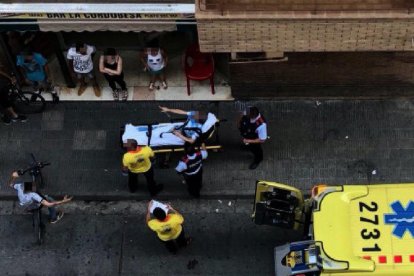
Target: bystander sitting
column 35, row 71
column 81, row 64
column 110, row 65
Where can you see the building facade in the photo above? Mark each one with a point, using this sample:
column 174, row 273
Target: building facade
column 265, row 48
column 296, row 44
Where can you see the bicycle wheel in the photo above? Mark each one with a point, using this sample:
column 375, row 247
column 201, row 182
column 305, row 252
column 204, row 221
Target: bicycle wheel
column 38, row 226
column 40, row 180
column 29, row 103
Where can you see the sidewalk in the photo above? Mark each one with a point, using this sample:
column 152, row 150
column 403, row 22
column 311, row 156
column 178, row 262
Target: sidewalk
column 333, row 142
column 137, row 81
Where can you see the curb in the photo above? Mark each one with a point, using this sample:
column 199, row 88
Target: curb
column 141, row 197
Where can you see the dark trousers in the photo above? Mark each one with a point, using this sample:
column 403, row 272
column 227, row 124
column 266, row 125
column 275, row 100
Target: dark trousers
column 257, row 151
column 112, row 80
column 194, row 183
column 52, row 211
column 173, row 245
column 149, row 176
column 5, row 101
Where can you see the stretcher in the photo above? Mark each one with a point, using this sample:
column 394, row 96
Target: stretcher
column 160, row 136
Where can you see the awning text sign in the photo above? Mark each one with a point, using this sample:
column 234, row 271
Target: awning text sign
column 85, row 8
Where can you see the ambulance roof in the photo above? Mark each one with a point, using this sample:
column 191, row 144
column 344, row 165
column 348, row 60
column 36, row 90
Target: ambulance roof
column 368, row 226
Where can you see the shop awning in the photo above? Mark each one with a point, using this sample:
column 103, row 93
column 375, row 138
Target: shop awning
column 95, row 17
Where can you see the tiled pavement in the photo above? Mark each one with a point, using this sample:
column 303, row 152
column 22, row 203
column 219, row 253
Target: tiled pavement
column 137, row 81
column 334, row 142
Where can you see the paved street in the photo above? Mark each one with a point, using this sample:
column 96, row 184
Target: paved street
column 112, row 239
column 324, row 141
column 332, row 141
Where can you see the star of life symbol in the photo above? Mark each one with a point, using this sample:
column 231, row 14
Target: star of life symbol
column 402, row 218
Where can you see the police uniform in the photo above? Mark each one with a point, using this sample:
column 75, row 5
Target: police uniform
column 192, row 168
column 254, row 130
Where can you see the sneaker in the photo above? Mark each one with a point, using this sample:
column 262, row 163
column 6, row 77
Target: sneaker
column 97, row 90
column 58, row 217
column 164, row 85
column 55, row 97
column 115, row 94
column 6, row 120
column 20, row 118
column 81, row 89
column 124, row 95
column 151, row 86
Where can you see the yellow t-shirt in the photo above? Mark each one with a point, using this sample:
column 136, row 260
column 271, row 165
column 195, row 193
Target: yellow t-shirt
column 169, row 229
column 138, row 161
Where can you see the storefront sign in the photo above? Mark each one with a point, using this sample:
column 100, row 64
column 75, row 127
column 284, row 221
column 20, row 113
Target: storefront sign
column 95, row 17
column 33, row 8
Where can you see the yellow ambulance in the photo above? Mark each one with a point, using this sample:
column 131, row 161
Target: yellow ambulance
column 348, row 229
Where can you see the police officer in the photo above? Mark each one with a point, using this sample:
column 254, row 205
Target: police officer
column 253, row 129
column 191, row 167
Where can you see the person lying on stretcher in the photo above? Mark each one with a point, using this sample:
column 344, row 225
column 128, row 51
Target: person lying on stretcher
column 195, row 129
column 189, row 131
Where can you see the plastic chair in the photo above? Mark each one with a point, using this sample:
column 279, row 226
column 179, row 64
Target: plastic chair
column 198, row 66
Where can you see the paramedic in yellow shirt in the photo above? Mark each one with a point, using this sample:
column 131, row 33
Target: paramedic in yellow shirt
column 168, row 226
column 137, row 160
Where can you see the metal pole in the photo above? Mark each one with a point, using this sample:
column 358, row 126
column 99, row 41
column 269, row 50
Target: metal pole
column 7, row 52
column 62, row 61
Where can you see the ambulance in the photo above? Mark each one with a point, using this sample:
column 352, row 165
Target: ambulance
column 357, row 230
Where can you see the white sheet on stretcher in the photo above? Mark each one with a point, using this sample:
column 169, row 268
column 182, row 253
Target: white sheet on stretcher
column 139, row 133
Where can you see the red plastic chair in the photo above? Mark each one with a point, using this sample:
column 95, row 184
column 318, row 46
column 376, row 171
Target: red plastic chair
column 198, row 66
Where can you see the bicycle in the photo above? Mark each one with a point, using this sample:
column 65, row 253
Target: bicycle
column 37, row 180
column 26, row 102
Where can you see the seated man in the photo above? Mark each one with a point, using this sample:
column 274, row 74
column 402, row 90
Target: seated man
column 31, row 200
column 35, row 70
column 171, row 134
column 80, row 60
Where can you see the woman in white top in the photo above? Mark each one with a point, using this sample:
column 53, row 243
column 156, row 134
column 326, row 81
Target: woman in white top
column 155, row 61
